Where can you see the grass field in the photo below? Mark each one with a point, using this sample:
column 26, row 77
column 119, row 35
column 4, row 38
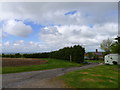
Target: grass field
column 51, row 64
column 104, row 76
column 95, row 61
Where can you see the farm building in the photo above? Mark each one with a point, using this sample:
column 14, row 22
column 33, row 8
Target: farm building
column 112, row 59
column 94, row 55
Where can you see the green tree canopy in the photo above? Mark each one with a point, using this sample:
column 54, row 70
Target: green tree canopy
column 111, row 47
column 116, row 46
column 106, row 45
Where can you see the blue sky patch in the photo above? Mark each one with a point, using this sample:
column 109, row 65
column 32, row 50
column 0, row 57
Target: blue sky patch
column 1, row 23
column 114, row 12
column 71, row 12
column 53, row 25
column 33, row 25
column 31, row 37
column 90, row 25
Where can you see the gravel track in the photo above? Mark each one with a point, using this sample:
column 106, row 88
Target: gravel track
column 39, row 79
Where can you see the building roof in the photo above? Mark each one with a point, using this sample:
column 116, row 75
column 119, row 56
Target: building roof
column 112, row 54
column 97, row 53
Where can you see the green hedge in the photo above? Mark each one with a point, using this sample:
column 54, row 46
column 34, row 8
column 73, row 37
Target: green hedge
column 74, row 54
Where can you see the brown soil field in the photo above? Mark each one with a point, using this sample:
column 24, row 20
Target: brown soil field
column 21, row 62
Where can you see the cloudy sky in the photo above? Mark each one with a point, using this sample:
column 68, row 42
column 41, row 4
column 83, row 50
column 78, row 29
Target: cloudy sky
column 41, row 27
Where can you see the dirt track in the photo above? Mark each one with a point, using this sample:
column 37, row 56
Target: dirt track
column 21, row 62
column 39, row 79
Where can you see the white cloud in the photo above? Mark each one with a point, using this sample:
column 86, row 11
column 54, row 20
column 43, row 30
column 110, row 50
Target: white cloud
column 17, row 28
column 73, row 29
column 22, row 46
column 7, row 43
column 18, row 43
column 56, row 37
column 2, row 34
column 34, row 43
column 46, row 13
column 60, row 36
column 0, row 45
column 15, row 44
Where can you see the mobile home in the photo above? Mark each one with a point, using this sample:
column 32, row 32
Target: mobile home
column 112, row 59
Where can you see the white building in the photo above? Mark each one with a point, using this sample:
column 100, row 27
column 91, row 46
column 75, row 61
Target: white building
column 112, row 59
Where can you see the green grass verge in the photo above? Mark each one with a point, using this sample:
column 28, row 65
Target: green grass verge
column 95, row 61
column 104, row 76
column 52, row 63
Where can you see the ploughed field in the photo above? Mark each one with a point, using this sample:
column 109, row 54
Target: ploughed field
column 21, row 62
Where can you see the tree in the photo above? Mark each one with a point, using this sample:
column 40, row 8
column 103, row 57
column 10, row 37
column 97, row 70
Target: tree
column 118, row 39
column 106, row 45
column 96, row 57
column 74, row 54
column 17, row 55
column 90, row 55
column 116, row 46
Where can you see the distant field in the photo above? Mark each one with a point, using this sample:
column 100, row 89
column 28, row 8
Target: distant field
column 13, row 66
column 21, row 62
column 104, row 76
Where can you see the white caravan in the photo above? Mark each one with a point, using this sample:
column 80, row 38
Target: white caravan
column 112, row 59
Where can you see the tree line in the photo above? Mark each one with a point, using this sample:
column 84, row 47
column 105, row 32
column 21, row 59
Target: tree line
column 109, row 46
column 73, row 54
column 32, row 55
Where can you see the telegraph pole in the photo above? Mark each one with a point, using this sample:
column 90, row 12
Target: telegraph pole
column 70, row 58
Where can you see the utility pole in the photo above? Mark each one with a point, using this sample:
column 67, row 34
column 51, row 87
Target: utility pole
column 70, row 58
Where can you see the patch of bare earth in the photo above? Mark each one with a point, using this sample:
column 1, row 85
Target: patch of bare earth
column 84, row 72
column 87, row 79
column 57, row 83
column 92, row 80
column 21, row 62
column 116, row 69
column 96, row 75
column 45, row 83
column 110, row 81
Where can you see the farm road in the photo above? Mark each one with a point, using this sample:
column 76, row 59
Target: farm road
column 39, row 79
